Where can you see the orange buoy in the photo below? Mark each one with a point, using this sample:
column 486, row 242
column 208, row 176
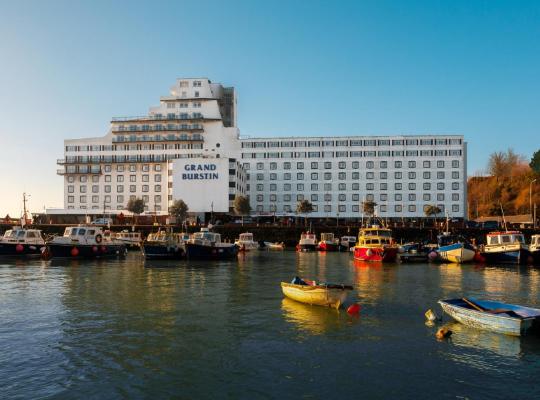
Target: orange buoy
column 353, row 309
column 74, row 252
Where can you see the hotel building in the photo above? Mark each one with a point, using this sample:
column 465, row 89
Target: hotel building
column 189, row 147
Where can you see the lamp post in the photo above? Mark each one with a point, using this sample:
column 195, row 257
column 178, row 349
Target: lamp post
column 530, row 201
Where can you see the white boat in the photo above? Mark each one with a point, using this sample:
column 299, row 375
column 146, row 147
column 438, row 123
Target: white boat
column 21, row 242
column 208, row 245
column 132, row 240
column 347, row 242
column 274, row 245
column 534, row 249
column 506, row 247
column 308, row 242
column 246, row 243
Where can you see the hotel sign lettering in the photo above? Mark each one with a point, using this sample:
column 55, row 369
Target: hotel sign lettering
column 200, row 172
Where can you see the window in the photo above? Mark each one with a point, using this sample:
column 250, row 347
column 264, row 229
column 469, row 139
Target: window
column 327, row 176
column 82, row 199
column 398, row 175
column 327, row 165
column 355, row 165
column 426, row 197
column 299, row 197
column 383, row 175
column 120, row 178
column 260, row 177
column 440, row 164
column 286, row 176
column 412, row 164
column 426, row 175
column 299, row 165
column 273, row 197
column 287, row 187
column 157, row 188
column 370, row 165
column 412, row 197
column 314, row 186
column 370, row 175
column 71, row 189
column 440, row 196
column 82, row 179
column 71, row 199
column 120, row 168
column 398, row 186
column 273, row 187
column 157, row 178
column 286, row 165
column 314, row 165
column 426, row 164
column 145, row 188
column 355, row 186
column 108, row 168
column 412, row 186
column 370, row 186
column 412, row 208
column 440, row 174
column 356, row 175
column 82, row 189
column 440, row 186
column 370, row 197
column 300, row 176
column 355, row 197
column 455, row 207
column 342, row 165
column 342, row 197
column 355, row 208
column 260, row 166
column 314, row 197
column 342, row 176
column 260, row 187
column 455, row 196
column 327, row 187
column 314, row 176
column 327, row 208
column 260, row 197
column 300, row 186
column 327, row 197
column 146, row 178
column 273, row 165
column 383, row 197
column 107, row 188
column 384, row 186
column 398, row 164
column 455, row 185
column 455, row 163
column 95, row 189
column 455, row 174
column 157, row 167
column 383, row 164
column 412, row 175
column 286, row 197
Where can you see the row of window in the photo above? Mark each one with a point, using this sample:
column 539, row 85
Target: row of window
column 327, row 187
column 327, row 176
column 353, row 142
column 353, row 154
column 195, row 104
column 119, row 188
column 126, row 147
column 107, row 199
column 354, row 164
column 159, row 127
column 118, row 207
column 342, row 208
column 354, row 197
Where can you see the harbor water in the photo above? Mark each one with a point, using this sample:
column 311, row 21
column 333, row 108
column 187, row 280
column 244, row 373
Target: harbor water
column 195, row 330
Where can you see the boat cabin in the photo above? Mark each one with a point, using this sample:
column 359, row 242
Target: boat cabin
column 308, row 236
column 502, row 238
column 206, row 236
column 327, row 237
column 447, row 240
column 246, row 237
column 128, row 236
column 17, row 235
column 375, row 236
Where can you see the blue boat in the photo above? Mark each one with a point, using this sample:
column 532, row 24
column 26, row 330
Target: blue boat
column 454, row 249
column 206, row 245
column 506, row 248
column 493, row 316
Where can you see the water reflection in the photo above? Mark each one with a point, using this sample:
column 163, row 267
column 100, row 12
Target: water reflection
column 315, row 320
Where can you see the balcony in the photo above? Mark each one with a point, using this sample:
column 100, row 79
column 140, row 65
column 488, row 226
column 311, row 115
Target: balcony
column 168, row 117
column 157, row 138
column 138, row 129
column 80, row 169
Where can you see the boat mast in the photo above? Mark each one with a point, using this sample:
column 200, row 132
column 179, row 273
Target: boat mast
column 23, row 222
column 504, row 220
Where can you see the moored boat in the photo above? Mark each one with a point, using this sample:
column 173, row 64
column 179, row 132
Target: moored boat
column 274, row 245
column 347, row 242
column 307, row 242
column 246, row 243
column 534, row 249
column 454, row 249
column 375, row 244
column 208, row 245
column 164, row 245
column 493, row 316
column 328, row 242
column 413, row 252
column 506, row 247
column 83, row 242
column 308, row 292
column 132, row 240
column 21, row 242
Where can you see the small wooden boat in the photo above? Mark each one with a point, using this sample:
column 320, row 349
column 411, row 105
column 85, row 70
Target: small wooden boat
column 326, row 294
column 492, row 315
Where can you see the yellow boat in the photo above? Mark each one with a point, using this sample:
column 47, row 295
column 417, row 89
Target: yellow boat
column 320, row 295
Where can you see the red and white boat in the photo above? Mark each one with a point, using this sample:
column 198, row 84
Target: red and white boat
column 375, row 244
column 328, row 242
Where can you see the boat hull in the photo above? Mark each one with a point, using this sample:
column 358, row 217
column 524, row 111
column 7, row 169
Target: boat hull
column 315, row 295
column 20, row 249
column 84, row 251
column 456, row 253
column 160, row 252
column 492, row 322
column 201, row 252
column 328, row 246
column 375, row 254
column 517, row 256
column 307, row 247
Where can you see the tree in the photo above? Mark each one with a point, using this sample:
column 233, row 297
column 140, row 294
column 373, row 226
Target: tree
column 241, row 206
column 432, row 210
column 179, row 210
column 368, row 207
column 136, row 206
column 535, row 162
column 304, row 207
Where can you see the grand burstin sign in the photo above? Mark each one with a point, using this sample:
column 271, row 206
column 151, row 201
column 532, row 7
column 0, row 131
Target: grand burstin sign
column 200, row 171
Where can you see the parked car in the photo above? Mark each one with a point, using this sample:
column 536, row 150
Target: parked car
column 102, row 221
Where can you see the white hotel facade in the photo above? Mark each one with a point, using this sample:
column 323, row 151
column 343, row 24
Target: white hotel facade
column 189, row 147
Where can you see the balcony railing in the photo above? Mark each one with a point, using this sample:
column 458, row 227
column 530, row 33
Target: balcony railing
column 168, row 117
column 80, row 169
column 157, row 138
column 111, row 159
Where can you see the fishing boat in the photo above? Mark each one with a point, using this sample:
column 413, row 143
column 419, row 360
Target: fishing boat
column 132, row 240
column 83, row 242
column 20, row 241
column 309, row 292
column 208, row 245
column 347, row 242
column 246, row 243
column 492, row 315
column 375, row 244
column 328, row 242
column 308, row 242
column 413, row 253
column 534, row 249
column 453, row 249
column 506, row 247
column 164, row 245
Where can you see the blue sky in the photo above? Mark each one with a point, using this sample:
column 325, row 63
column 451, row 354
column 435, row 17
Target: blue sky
column 300, row 68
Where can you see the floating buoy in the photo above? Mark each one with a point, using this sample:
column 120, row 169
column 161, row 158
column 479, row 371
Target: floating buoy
column 74, row 252
column 369, row 253
column 432, row 255
column 432, row 315
column 95, row 249
column 353, row 309
column 103, row 249
column 19, row 248
column 443, row 333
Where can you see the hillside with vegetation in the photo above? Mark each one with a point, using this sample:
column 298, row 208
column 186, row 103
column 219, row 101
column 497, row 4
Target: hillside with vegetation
column 507, row 183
